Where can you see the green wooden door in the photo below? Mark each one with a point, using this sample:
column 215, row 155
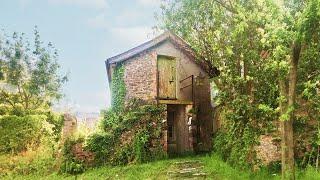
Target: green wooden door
column 167, row 77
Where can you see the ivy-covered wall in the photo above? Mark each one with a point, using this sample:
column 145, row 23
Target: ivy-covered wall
column 133, row 135
column 118, row 88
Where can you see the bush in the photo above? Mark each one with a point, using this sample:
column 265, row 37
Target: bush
column 128, row 136
column 40, row 161
column 140, row 145
column 70, row 163
column 19, row 133
column 101, row 144
column 28, row 144
column 57, row 121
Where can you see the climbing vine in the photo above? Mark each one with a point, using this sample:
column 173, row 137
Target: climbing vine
column 118, row 88
column 129, row 136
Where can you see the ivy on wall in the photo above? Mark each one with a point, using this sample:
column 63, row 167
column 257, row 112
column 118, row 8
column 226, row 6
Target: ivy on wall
column 118, row 88
column 130, row 136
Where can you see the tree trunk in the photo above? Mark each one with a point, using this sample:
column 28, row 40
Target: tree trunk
column 283, row 126
column 287, row 144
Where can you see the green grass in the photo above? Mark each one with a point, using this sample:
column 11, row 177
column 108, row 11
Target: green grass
column 214, row 167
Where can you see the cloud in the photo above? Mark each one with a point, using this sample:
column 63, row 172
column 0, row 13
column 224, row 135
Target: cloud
column 152, row 3
column 127, row 18
column 24, row 3
column 99, row 21
column 130, row 16
column 89, row 103
column 132, row 35
column 97, row 4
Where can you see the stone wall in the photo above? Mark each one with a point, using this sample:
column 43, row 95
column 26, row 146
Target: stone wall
column 140, row 76
column 69, row 126
column 82, row 155
column 268, row 151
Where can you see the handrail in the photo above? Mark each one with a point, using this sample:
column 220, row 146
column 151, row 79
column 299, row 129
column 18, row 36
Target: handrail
column 186, row 86
column 191, row 84
column 185, row 78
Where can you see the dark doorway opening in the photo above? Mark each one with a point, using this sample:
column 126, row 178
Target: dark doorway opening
column 177, row 129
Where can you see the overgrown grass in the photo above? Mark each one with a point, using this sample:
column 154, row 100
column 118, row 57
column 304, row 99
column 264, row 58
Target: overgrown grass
column 38, row 161
column 214, row 167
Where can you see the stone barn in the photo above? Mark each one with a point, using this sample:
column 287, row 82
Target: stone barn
column 164, row 70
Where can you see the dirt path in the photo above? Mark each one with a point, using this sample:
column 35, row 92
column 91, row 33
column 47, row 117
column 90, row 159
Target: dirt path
column 186, row 170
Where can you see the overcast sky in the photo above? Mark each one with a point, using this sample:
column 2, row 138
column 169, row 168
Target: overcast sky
column 85, row 32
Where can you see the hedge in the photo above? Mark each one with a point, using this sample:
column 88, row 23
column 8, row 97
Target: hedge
column 19, row 133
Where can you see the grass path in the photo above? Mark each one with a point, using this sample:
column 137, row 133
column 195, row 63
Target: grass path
column 197, row 167
column 186, row 170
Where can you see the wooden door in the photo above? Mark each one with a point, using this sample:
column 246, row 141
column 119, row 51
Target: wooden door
column 167, row 77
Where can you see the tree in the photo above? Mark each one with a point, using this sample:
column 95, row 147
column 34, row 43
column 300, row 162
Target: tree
column 258, row 47
column 31, row 77
column 301, row 28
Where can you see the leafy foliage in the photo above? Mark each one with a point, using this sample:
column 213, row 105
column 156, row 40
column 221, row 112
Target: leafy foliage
column 30, row 82
column 253, row 44
column 28, row 144
column 131, row 135
column 70, row 163
column 30, row 75
column 19, row 133
column 118, row 88
column 34, row 161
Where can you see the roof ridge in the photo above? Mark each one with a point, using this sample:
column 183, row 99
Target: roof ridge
column 144, row 46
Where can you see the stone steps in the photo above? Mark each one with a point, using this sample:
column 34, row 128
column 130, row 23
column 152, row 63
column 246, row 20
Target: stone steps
column 186, row 170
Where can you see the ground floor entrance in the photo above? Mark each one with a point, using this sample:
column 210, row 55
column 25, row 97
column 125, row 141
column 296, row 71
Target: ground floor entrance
column 179, row 129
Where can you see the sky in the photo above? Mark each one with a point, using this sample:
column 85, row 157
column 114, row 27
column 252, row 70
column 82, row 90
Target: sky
column 86, row 33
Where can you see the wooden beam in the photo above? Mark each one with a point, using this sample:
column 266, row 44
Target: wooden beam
column 175, row 102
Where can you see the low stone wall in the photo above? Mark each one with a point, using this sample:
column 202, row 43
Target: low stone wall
column 69, row 126
column 268, row 151
column 84, row 156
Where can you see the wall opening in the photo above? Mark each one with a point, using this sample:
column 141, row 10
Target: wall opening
column 177, row 129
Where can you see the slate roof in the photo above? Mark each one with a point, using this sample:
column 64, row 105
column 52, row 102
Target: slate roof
column 150, row 44
column 176, row 40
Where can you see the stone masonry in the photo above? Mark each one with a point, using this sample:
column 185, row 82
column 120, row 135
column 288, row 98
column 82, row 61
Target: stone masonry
column 189, row 104
column 268, row 151
column 140, row 76
column 69, row 126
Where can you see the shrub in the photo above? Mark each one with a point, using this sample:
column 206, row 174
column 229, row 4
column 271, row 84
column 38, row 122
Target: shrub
column 140, row 145
column 31, row 141
column 57, row 121
column 128, row 136
column 101, row 144
column 70, row 163
column 40, row 161
column 4, row 109
column 18, row 133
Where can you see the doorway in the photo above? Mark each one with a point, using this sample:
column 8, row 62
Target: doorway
column 177, row 129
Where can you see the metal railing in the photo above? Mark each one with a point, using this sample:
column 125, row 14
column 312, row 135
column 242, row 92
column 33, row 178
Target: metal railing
column 186, row 86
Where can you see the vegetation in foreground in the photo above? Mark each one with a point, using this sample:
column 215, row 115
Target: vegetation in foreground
column 267, row 52
column 268, row 57
column 213, row 167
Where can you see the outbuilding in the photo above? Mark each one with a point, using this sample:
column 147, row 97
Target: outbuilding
column 165, row 70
